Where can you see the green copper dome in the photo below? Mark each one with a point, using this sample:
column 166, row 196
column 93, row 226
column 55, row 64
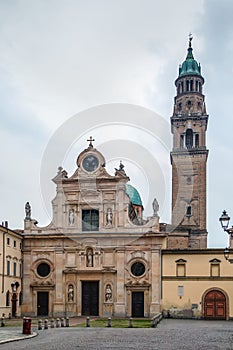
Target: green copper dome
column 133, row 195
column 190, row 65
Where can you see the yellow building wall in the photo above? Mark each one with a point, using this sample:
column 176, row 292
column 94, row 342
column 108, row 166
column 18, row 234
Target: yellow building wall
column 197, row 280
column 11, row 253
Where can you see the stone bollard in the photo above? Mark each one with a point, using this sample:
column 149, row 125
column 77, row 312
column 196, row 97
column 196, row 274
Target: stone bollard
column 52, row 323
column 109, row 322
column 58, row 322
column 46, row 324
column 3, row 321
column 62, row 322
column 67, row 322
column 88, row 321
column 130, row 322
column 39, row 325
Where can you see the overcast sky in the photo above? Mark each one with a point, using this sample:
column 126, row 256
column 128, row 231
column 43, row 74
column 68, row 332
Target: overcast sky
column 59, row 58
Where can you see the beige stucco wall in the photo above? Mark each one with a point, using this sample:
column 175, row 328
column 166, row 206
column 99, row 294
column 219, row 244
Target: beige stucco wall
column 197, row 281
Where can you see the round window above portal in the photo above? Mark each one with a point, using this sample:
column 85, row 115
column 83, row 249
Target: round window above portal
column 138, row 269
column 43, row 269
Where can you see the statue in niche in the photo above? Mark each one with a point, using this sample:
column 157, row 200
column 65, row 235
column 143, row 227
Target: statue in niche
column 89, row 258
column 28, row 211
column 155, row 206
column 108, row 293
column 71, row 216
column 70, row 293
column 109, row 217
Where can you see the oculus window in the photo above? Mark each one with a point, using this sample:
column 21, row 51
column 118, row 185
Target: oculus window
column 138, row 269
column 43, row 270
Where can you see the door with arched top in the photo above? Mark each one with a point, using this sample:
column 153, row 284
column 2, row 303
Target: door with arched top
column 215, row 305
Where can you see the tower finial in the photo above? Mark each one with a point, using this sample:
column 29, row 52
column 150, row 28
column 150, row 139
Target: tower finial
column 91, row 140
column 190, row 39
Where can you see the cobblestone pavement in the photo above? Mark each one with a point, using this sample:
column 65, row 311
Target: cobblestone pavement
column 12, row 334
column 169, row 335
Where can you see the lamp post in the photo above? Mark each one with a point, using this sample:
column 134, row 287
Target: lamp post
column 14, row 287
column 225, row 220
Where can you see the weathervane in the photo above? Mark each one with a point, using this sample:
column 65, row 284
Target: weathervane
column 190, row 38
column 91, row 140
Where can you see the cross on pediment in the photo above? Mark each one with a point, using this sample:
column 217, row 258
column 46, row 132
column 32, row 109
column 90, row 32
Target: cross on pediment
column 91, row 140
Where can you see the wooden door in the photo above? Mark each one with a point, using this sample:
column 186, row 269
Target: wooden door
column 14, row 305
column 90, row 298
column 137, row 304
column 42, row 303
column 215, row 305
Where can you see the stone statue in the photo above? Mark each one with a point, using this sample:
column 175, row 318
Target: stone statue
column 155, row 207
column 109, row 217
column 70, row 293
column 108, row 293
column 28, row 211
column 71, row 216
column 89, row 258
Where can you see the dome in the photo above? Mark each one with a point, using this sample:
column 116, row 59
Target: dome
column 133, row 195
column 190, row 65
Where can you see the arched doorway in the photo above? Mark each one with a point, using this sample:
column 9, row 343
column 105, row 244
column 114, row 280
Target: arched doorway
column 215, row 305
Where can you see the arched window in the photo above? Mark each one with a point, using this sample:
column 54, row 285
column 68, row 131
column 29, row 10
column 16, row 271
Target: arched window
column 8, row 267
column 20, row 298
column 189, row 138
column 189, row 210
column 181, row 141
column 180, row 87
column 196, row 140
column 191, row 85
column 14, row 269
column 8, row 298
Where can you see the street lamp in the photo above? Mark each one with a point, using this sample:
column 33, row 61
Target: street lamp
column 225, row 220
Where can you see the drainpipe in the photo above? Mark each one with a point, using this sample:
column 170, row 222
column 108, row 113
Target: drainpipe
column 3, row 260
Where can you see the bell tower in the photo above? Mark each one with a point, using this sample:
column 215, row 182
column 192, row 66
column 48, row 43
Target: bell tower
column 189, row 154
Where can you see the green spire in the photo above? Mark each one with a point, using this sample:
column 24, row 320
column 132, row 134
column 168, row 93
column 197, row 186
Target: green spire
column 190, row 65
column 190, row 49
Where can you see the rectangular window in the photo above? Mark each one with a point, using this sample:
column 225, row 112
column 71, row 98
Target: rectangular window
column 180, row 270
column 180, row 291
column 15, row 268
column 14, row 244
column 8, row 241
column 8, row 267
column 214, row 270
column 90, row 220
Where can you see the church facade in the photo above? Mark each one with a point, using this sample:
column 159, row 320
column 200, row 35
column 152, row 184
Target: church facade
column 99, row 256
column 95, row 257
